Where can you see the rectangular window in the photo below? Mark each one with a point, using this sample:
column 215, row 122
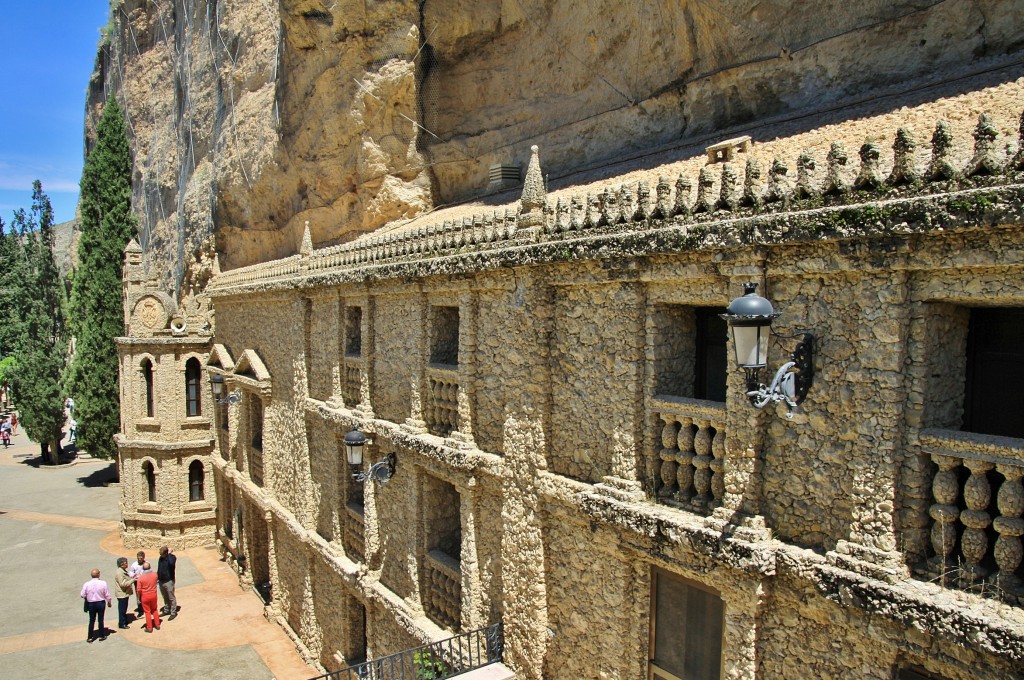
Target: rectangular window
column 444, row 336
column 689, row 348
column 993, row 401
column 353, row 331
column 687, row 628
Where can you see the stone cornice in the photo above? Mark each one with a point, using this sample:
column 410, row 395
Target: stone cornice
column 146, row 445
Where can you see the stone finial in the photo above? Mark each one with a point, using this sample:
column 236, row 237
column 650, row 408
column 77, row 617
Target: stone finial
column 779, row 183
column 609, row 207
column 753, row 184
column 986, row 155
column 730, row 193
column 705, row 191
column 662, row 206
column 626, row 203
column 643, row 202
column 534, row 198
column 306, row 247
column 593, row 212
column 835, row 181
column 904, row 171
column 941, row 165
column 576, row 207
column 806, row 176
column 681, row 206
column 561, row 223
column 870, row 175
column 1017, row 162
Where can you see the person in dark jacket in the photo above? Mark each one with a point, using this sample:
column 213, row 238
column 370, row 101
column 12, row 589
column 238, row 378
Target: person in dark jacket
column 165, row 574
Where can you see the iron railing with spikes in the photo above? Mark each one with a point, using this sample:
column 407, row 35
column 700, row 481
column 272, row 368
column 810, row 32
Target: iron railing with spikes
column 443, row 659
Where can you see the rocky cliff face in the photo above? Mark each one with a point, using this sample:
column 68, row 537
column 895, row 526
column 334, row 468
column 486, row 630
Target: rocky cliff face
column 251, row 117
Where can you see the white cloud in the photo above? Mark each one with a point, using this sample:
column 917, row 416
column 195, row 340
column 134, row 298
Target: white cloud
column 18, row 176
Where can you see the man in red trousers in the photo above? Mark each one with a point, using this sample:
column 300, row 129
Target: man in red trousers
column 145, row 587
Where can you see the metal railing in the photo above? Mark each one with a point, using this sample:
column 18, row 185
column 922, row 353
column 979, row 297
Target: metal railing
column 438, row 660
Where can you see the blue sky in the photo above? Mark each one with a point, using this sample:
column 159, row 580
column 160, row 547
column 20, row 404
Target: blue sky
column 49, row 47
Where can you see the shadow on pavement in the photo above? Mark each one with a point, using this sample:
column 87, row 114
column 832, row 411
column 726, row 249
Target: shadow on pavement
column 101, row 477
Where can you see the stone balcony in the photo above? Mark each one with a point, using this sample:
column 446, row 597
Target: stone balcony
column 687, row 470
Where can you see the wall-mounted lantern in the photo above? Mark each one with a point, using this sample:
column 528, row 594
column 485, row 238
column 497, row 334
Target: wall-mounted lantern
column 750, row 319
column 381, row 472
column 217, row 382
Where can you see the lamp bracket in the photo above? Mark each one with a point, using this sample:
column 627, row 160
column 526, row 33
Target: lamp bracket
column 381, row 472
column 791, row 382
column 232, row 398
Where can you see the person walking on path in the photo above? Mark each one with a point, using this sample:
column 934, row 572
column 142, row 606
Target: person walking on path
column 146, row 585
column 97, row 599
column 124, row 587
column 165, row 574
column 14, row 423
column 135, row 570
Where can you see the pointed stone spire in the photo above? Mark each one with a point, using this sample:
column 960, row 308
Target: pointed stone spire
column 986, row 159
column 306, row 247
column 904, row 171
column 643, row 202
column 534, row 198
column 626, row 203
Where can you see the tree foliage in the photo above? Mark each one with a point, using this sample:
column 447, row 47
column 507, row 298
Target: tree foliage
column 107, row 224
column 37, row 296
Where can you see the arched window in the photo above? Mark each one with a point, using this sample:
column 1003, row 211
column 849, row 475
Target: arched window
column 150, row 474
column 193, row 404
column 196, row 476
column 147, row 374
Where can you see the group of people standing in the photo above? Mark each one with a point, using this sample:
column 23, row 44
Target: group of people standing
column 139, row 579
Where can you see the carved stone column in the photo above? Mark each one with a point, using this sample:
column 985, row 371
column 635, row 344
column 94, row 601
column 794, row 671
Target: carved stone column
column 1010, row 525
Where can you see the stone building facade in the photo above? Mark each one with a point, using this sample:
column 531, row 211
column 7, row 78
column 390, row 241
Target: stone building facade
column 575, row 453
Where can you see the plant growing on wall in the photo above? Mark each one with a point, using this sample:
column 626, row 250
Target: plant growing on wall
column 428, row 667
column 96, row 307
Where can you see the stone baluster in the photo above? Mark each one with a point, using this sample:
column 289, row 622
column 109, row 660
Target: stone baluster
column 685, row 471
column 1010, row 526
column 681, row 206
column 668, row 442
column 718, row 464
column 945, row 490
column 702, row 462
column 941, row 166
column 705, row 191
column 986, row 156
column 609, row 207
column 835, row 180
column 561, row 222
column 667, row 456
column 977, row 495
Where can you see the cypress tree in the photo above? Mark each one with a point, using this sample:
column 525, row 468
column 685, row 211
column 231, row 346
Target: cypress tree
column 107, row 224
column 38, row 296
column 9, row 254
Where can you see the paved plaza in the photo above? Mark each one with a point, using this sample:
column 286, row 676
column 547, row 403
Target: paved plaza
column 56, row 524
